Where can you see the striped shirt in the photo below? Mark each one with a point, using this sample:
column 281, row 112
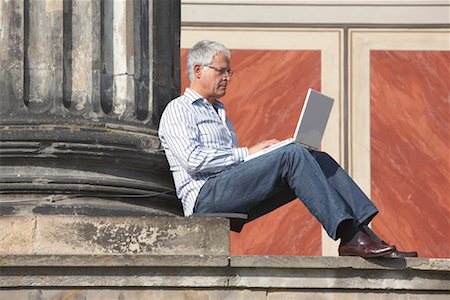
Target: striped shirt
column 199, row 142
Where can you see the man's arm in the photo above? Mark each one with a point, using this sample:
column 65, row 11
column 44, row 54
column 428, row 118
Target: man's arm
column 262, row 145
column 180, row 134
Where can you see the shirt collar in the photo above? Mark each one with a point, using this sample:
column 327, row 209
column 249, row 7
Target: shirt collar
column 193, row 96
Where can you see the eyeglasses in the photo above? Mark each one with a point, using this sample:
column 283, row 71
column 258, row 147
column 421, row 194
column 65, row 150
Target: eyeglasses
column 222, row 71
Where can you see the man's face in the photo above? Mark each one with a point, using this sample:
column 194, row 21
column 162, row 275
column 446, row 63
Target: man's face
column 212, row 81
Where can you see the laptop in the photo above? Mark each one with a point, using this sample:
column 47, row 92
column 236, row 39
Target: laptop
column 310, row 126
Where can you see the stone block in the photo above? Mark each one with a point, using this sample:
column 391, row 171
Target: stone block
column 339, row 295
column 345, row 262
column 17, row 235
column 211, row 294
column 340, row 273
column 187, row 294
column 82, row 235
column 14, row 294
column 117, row 235
column 153, row 294
column 114, row 260
column 213, row 275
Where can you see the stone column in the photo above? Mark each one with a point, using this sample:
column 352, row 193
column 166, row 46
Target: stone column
column 82, row 87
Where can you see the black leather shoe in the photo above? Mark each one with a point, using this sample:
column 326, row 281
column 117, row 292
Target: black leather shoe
column 365, row 247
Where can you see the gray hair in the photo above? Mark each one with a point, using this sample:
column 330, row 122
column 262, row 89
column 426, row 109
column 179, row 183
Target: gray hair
column 203, row 53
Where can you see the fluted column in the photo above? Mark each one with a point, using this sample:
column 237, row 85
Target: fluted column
column 82, row 87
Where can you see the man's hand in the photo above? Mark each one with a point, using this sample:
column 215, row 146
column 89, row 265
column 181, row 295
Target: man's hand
column 261, row 145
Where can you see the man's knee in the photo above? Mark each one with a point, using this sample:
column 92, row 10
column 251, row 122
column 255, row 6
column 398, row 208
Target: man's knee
column 294, row 147
column 327, row 163
column 322, row 156
column 295, row 150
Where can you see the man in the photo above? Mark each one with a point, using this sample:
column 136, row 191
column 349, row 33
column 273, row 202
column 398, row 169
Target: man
column 210, row 175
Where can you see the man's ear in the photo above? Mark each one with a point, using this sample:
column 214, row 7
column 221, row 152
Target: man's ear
column 198, row 71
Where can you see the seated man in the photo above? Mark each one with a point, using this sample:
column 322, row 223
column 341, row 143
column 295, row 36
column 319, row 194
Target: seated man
column 210, row 175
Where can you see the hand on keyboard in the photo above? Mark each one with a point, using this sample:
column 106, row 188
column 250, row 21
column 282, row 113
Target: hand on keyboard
column 262, row 145
column 269, row 148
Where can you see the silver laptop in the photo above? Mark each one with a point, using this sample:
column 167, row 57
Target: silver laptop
column 310, row 126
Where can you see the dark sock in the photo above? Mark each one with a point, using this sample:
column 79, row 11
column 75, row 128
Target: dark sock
column 348, row 232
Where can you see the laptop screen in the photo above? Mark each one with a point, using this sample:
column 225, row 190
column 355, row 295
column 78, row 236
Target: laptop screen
column 313, row 119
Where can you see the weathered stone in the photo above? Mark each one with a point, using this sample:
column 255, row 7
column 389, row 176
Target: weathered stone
column 17, row 235
column 43, row 56
column 209, row 294
column 366, row 295
column 114, row 260
column 92, row 235
column 98, row 294
column 11, row 56
column 185, row 273
column 341, row 272
column 82, row 87
column 346, row 262
column 82, row 20
column 338, row 279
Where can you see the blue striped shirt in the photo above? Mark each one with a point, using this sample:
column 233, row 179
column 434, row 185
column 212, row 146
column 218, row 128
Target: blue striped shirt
column 199, row 142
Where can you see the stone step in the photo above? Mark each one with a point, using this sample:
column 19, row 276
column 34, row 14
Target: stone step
column 217, row 277
column 94, row 235
column 106, row 250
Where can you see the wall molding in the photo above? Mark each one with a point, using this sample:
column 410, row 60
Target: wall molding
column 315, row 13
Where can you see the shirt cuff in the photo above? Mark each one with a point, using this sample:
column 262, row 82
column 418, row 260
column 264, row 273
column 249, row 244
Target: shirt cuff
column 240, row 153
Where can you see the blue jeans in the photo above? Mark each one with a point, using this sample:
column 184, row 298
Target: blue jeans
column 280, row 176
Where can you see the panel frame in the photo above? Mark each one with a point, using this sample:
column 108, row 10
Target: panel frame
column 360, row 43
column 330, row 41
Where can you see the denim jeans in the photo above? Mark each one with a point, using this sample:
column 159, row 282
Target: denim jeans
column 283, row 175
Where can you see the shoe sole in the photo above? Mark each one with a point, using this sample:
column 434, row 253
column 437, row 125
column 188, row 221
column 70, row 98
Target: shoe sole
column 366, row 256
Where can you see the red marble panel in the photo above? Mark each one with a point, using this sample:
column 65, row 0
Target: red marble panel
column 264, row 101
column 410, row 149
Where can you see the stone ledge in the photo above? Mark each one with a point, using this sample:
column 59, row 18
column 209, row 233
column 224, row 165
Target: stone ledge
column 119, row 235
column 94, row 261
column 114, row 261
column 357, row 263
column 235, row 262
column 219, row 294
column 190, row 271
